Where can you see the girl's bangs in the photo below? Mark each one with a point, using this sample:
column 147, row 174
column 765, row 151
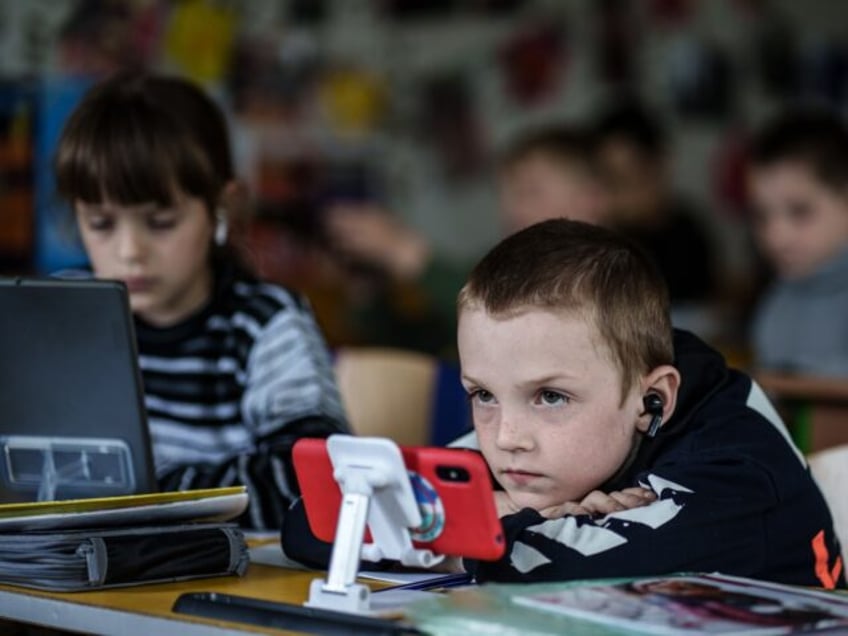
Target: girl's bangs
column 129, row 161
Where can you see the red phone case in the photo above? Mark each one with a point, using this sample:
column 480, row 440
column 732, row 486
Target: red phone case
column 471, row 527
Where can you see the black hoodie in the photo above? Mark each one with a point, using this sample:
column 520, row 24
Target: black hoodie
column 734, row 495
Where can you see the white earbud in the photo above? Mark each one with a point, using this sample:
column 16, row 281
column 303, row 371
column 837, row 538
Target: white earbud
column 221, row 227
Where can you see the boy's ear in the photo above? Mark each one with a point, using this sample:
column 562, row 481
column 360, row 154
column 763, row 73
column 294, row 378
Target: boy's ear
column 663, row 381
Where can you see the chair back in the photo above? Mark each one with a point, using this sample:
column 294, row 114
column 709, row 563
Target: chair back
column 830, row 470
column 815, row 409
column 410, row 397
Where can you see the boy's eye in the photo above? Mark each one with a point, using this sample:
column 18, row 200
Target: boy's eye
column 552, row 398
column 481, row 396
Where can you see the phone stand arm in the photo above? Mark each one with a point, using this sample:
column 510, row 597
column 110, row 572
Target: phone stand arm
column 49, row 479
column 375, row 493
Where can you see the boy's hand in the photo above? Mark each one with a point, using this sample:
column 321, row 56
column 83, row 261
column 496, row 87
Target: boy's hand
column 598, row 503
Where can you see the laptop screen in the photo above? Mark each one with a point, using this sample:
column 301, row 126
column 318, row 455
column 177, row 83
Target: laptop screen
column 72, row 419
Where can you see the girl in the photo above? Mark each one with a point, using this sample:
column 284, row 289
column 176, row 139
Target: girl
column 234, row 369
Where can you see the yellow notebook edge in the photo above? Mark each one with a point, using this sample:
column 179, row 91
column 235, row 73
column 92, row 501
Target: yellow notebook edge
column 110, row 503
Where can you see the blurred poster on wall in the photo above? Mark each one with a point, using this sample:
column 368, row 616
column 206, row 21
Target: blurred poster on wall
column 354, row 100
column 17, row 106
column 824, row 71
column 99, row 37
column 777, row 56
column 450, row 124
column 271, row 79
column 671, row 12
column 729, row 165
column 701, row 80
column 416, row 9
column 28, row 32
column 56, row 244
column 199, row 39
column 532, row 61
column 616, row 42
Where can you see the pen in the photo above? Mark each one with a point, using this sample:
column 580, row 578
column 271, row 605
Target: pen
column 448, row 580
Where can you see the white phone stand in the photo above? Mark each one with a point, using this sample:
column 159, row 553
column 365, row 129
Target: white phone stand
column 376, row 493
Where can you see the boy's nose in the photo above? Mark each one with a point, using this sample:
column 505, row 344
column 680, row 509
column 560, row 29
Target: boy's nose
column 512, row 436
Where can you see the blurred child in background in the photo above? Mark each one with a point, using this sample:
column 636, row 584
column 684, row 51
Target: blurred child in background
column 545, row 173
column 551, row 173
column 632, row 154
column 799, row 188
column 234, row 369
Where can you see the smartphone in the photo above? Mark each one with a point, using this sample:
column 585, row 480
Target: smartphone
column 451, row 485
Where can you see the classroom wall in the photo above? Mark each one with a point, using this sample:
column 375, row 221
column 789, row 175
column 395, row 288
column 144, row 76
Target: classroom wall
column 407, row 101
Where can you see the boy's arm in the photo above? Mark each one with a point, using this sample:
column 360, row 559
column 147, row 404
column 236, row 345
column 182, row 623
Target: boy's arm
column 290, row 393
column 596, row 503
column 690, row 527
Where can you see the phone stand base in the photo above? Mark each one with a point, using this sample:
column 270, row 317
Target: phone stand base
column 355, row 598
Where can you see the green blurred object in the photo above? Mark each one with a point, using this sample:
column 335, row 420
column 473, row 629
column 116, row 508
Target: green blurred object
column 800, row 425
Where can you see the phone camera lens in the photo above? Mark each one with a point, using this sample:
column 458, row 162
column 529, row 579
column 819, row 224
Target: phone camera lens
column 453, row 473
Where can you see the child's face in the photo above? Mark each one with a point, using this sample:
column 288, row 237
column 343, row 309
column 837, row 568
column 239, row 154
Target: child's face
column 546, row 403
column 539, row 187
column 635, row 183
column 162, row 254
column 799, row 222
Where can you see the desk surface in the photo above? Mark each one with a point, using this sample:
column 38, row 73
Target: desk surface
column 804, row 387
column 146, row 609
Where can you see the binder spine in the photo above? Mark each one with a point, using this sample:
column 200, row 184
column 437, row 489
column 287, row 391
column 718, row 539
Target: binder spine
column 101, row 558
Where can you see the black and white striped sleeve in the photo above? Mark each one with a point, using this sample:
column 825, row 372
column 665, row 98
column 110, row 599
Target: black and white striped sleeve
column 290, row 392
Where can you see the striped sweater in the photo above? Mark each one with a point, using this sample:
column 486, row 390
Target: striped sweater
column 230, row 389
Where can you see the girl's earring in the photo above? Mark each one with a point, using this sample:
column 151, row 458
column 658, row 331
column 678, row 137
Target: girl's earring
column 221, row 228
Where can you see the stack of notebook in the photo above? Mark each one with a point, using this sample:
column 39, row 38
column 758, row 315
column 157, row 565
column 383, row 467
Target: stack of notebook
column 87, row 544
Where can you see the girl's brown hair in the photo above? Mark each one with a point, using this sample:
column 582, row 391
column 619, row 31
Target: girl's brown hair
column 137, row 138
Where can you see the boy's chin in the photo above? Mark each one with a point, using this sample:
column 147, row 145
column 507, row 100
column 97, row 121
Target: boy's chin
column 536, row 501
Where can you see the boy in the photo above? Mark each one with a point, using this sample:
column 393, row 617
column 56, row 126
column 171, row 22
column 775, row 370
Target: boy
column 580, row 390
column 799, row 187
column 547, row 174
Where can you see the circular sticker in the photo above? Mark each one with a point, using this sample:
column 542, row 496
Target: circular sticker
column 431, row 509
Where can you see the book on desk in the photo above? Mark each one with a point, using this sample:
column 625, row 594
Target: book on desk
column 672, row 604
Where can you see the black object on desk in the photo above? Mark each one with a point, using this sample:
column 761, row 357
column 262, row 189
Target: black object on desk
column 241, row 609
column 71, row 397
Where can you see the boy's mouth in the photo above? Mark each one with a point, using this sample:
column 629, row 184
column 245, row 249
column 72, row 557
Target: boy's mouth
column 520, row 477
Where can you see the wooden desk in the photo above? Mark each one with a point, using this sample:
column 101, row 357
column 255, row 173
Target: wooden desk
column 816, row 407
column 146, row 609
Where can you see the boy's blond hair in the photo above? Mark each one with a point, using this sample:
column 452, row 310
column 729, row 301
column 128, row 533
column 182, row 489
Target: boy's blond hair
column 570, row 266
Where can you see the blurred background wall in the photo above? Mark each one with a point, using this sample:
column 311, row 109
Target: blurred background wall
column 407, row 102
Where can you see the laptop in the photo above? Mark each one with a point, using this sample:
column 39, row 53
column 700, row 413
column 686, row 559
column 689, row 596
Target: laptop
column 72, row 417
